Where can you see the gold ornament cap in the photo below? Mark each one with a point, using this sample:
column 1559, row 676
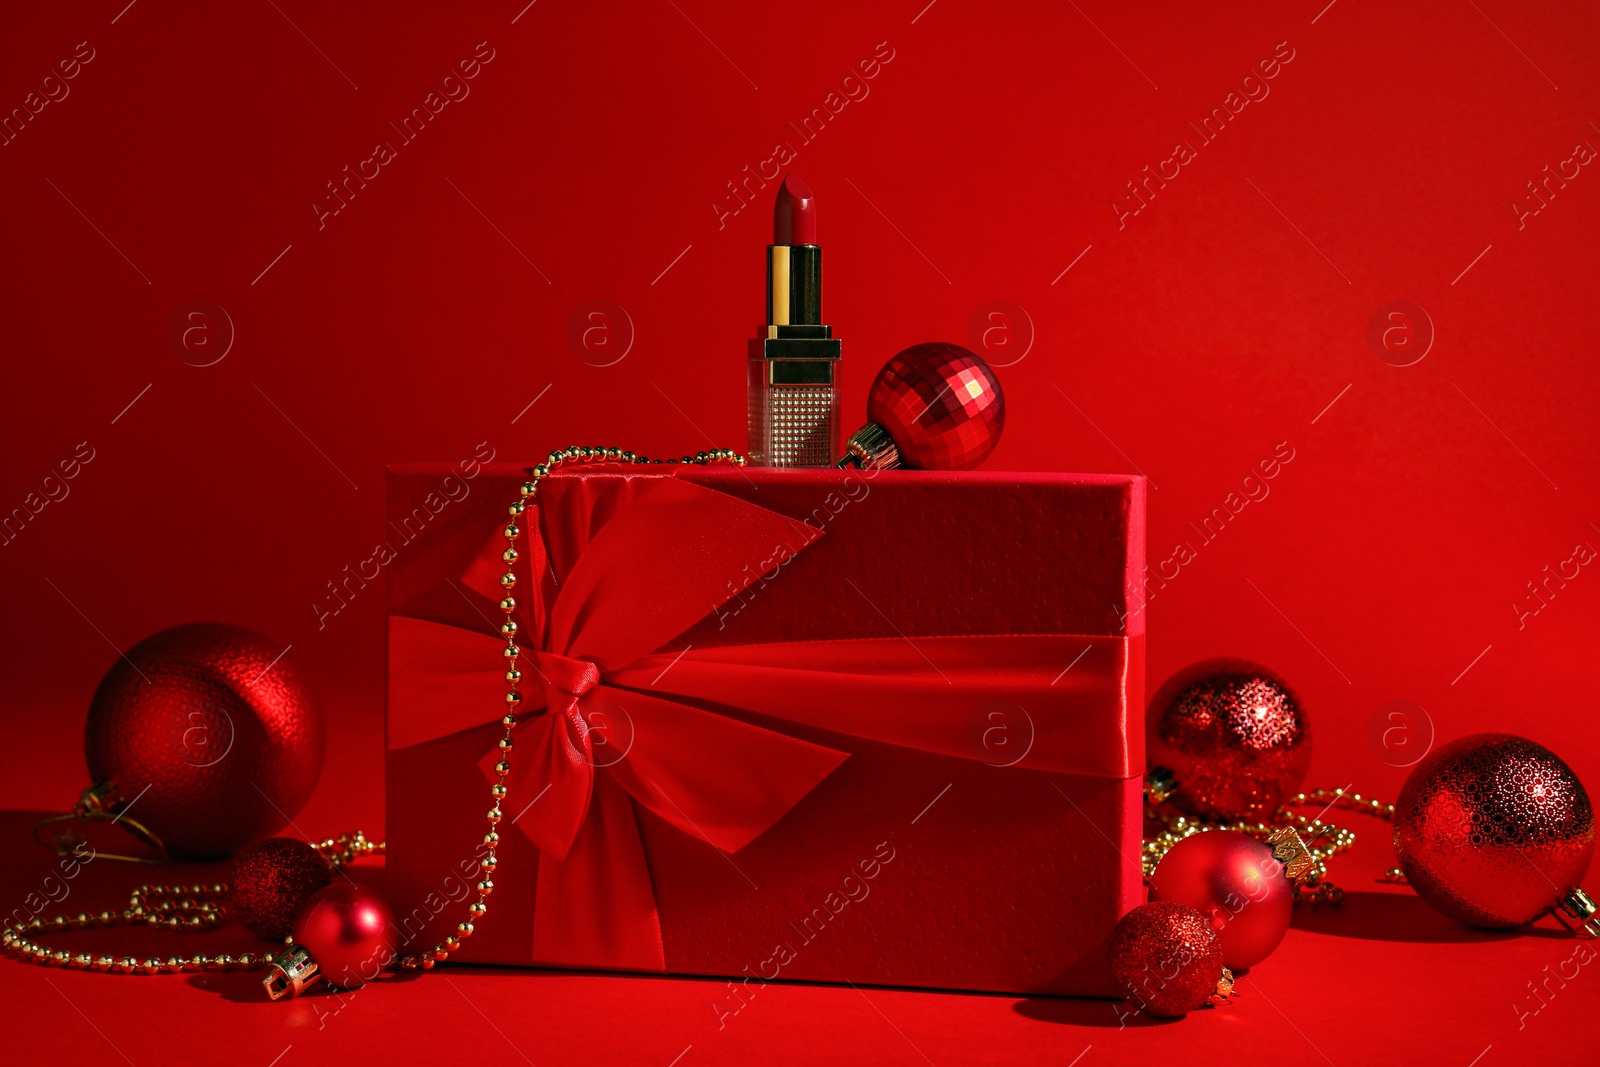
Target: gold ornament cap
column 871, row 448
column 1289, row 849
column 102, row 802
column 99, row 799
column 1577, row 912
column 1159, row 784
column 290, row 973
column 1225, row 990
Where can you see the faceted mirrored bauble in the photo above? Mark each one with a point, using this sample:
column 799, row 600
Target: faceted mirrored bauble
column 941, row 404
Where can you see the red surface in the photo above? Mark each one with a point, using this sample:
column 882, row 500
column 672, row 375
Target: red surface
column 1388, row 560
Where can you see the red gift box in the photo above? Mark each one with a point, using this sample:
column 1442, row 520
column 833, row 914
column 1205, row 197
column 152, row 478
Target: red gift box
column 817, row 725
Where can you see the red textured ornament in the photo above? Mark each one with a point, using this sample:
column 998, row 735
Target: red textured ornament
column 1493, row 830
column 1231, row 879
column 349, row 931
column 1166, row 958
column 271, row 881
column 1233, row 738
column 941, row 405
column 218, row 726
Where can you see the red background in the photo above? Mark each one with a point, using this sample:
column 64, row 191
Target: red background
column 1222, row 319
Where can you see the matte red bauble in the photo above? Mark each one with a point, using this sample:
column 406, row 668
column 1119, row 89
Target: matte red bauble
column 271, row 881
column 1233, row 881
column 1231, row 736
column 1493, row 830
column 212, row 731
column 934, row 406
column 1165, row 958
column 349, row 931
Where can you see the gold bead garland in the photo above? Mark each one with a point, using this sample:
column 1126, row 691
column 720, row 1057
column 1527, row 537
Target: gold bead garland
column 165, row 907
column 1323, row 840
column 347, row 848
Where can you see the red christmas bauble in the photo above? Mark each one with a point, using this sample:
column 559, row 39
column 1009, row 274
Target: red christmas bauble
column 271, row 881
column 212, row 731
column 1233, row 736
column 349, row 931
column 1231, row 879
column 941, row 404
column 1492, row 829
column 1165, row 958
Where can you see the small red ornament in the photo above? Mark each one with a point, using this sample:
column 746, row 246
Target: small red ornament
column 1233, row 880
column 213, row 732
column 1166, row 958
column 1227, row 739
column 1494, row 831
column 934, row 406
column 271, row 881
column 349, row 932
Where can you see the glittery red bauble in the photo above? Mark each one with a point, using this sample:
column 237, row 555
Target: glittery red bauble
column 1233, row 881
column 271, row 881
column 209, row 734
column 349, row 931
column 1492, row 829
column 1165, row 958
column 1234, row 737
column 941, row 404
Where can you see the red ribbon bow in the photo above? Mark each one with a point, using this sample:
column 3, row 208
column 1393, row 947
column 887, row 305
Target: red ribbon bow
column 643, row 560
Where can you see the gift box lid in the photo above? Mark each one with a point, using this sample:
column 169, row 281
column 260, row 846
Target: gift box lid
column 1063, row 553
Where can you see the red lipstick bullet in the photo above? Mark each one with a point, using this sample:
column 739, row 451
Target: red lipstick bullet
column 794, row 216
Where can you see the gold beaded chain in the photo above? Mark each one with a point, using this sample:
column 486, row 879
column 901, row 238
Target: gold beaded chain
column 513, row 698
column 1323, row 840
column 201, row 907
column 347, row 848
column 165, row 907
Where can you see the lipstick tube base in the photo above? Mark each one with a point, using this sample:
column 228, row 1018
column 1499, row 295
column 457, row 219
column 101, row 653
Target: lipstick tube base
column 793, row 409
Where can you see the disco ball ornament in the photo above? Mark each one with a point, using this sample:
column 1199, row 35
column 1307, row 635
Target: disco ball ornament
column 1166, row 959
column 1227, row 739
column 934, row 406
column 207, row 736
column 1494, row 831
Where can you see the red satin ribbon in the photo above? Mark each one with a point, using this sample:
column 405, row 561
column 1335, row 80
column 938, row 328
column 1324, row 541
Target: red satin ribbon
column 645, row 559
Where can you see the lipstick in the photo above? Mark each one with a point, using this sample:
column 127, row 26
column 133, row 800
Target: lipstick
column 794, row 216
column 793, row 365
